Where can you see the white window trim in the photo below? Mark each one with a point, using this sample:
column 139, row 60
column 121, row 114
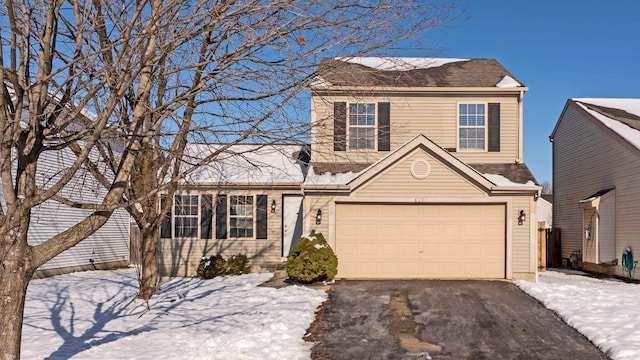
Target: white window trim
column 486, row 127
column 374, row 126
column 174, row 222
column 254, row 216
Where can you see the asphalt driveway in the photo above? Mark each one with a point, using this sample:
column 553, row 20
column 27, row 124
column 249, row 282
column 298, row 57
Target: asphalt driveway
column 416, row 319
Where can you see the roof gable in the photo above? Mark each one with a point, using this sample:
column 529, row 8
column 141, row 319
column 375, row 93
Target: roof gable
column 619, row 116
column 414, row 72
column 435, row 151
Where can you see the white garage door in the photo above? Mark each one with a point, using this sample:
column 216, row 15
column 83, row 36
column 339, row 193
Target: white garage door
column 375, row 241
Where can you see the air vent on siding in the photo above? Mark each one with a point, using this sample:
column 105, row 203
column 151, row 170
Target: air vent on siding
column 420, row 169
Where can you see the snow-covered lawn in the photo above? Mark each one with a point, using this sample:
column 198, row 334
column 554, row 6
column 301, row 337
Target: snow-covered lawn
column 606, row 311
column 94, row 315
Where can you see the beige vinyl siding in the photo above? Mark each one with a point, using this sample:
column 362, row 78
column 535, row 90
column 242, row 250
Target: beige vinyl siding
column 432, row 115
column 397, row 181
column 180, row 257
column 311, row 205
column 521, row 234
column 587, row 158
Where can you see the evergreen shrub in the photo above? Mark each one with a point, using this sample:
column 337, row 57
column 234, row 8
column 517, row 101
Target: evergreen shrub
column 312, row 259
column 216, row 265
column 238, row 265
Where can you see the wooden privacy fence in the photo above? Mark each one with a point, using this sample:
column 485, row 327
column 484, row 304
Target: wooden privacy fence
column 542, row 245
column 549, row 246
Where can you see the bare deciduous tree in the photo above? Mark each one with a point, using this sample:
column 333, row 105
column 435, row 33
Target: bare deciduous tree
column 123, row 85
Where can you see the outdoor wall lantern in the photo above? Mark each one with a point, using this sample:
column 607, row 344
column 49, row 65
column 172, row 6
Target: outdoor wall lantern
column 319, row 217
column 522, row 217
column 536, row 196
column 273, row 206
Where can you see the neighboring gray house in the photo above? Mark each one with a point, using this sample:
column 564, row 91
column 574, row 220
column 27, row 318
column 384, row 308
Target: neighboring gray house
column 596, row 173
column 106, row 248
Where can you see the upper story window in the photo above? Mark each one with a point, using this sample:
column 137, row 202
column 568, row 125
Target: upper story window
column 362, row 126
column 472, row 127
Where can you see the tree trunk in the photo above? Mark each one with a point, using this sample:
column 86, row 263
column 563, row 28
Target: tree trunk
column 150, row 278
column 15, row 273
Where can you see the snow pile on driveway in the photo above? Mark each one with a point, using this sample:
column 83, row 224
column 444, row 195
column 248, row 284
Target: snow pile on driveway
column 95, row 315
column 603, row 310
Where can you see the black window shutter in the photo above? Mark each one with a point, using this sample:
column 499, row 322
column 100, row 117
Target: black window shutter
column 261, row 216
column 165, row 226
column 206, row 214
column 221, row 217
column 339, row 126
column 384, row 136
column 494, row 127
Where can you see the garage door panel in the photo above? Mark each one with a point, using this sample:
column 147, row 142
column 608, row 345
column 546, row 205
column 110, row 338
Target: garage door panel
column 420, row 241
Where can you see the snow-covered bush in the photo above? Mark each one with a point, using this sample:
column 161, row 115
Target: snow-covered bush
column 312, row 259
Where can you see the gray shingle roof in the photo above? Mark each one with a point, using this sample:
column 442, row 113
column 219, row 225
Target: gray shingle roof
column 517, row 173
column 470, row 73
column 624, row 117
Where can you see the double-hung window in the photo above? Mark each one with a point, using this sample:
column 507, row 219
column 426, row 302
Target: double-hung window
column 362, row 126
column 472, row 127
column 186, row 216
column 241, row 216
column 225, row 216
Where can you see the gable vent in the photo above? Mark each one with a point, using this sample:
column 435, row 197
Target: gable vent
column 420, row 169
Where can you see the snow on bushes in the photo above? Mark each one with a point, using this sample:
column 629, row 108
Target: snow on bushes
column 216, row 265
column 312, row 259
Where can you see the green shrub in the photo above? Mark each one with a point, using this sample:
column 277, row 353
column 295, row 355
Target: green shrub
column 216, row 265
column 212, row 266
column 238, row 265
column 312, row 259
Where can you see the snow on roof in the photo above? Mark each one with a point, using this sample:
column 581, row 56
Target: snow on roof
column 500, row 180
column 247, row 164
column 629, row 105
column 399, row 63
column 508, row 82
column 328, row 178
column 320, row 82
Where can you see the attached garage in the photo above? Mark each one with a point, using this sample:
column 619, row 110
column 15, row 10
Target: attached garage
column 431, row 241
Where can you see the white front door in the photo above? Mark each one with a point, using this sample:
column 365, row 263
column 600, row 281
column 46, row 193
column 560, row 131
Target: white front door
column 291, row 222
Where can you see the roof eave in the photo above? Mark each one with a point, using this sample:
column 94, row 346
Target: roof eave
column 515, row 188
column 409, row 89
column 327, row 187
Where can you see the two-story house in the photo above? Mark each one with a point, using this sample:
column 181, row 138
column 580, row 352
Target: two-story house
column 415, row 171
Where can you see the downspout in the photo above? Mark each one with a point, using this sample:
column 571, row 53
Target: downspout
column 520, row 127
